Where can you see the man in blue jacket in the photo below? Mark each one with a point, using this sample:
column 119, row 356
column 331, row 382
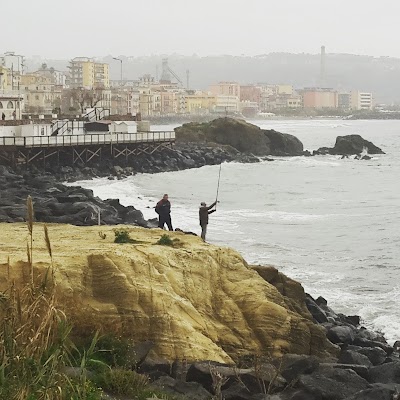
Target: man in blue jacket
column 163, row 209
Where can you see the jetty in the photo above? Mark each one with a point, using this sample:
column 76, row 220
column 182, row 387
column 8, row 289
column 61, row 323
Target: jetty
column 68, row 142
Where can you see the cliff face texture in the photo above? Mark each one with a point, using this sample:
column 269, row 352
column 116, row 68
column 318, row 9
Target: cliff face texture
column 195, row 301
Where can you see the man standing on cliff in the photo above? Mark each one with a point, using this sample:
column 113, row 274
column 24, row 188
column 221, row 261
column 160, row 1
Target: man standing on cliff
column 204, row 212
column 163, row 209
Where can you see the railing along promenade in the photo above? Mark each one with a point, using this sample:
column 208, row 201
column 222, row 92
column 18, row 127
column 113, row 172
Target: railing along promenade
column 86, row 139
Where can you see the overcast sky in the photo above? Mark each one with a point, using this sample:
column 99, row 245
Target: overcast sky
column 68, row 28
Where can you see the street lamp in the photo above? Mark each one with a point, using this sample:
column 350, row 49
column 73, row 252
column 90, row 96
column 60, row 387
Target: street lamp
column 120, row 84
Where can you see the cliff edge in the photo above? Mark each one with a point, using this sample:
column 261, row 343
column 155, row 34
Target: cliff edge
column 195, row 301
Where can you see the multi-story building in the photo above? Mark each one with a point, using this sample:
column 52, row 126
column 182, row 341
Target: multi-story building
column 226, row 89
column 344, row 100
column 227, row 104
column 250, row 93
column 12, row 61
column 319, row 98
column 361, row 100
column 200, row 103
column 42, row 95
column 86, row 73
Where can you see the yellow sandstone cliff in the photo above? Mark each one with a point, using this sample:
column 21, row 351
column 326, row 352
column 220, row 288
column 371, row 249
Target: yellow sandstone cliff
column 195, row 301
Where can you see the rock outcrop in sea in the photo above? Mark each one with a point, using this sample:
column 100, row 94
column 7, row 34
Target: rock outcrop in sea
column 350, row 145
column 242, row 136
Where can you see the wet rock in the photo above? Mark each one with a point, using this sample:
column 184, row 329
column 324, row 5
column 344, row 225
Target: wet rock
column 332, row 383
column 376, row 355
column 349, row 145
column 374, row 394
column 386, row 373
column 353, row 357
column 190, row 390
column 341, row 334
column 292, row 366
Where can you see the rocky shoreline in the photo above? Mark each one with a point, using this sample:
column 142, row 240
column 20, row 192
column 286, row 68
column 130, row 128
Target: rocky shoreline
column 366, row 368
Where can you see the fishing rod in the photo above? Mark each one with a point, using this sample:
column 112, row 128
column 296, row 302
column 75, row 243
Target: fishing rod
column 219, row 180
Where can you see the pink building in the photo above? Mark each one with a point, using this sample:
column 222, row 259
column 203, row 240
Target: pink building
column 225, row 89
column 319, row 98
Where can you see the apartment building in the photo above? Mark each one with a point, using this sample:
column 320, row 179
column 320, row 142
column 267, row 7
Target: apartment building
column 88, row 74
column 361, row 100
column 199, row 103
column 42, row 95
column 225, row 89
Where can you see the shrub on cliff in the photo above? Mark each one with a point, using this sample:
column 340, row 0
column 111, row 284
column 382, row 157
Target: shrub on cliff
column 123, row 236
column 165, row 240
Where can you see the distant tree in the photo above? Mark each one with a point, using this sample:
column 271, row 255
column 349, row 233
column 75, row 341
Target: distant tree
column 82, row 98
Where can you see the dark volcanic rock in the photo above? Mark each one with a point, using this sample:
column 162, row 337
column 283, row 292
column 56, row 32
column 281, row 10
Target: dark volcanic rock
column 349, row 145
column 386, row 373
column 240, row 135
column 352, row 357
column 191, row 390
column 332, row 383
column 341, row 334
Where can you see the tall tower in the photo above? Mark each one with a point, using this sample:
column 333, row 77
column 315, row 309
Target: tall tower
column 165, row 74
column 322, row 73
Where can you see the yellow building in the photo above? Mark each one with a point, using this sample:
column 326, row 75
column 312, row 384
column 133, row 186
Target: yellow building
column 86, row 73
column 200, row 103
column 41, row 93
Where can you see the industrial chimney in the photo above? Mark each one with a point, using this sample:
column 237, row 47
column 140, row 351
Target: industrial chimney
column 322, row 75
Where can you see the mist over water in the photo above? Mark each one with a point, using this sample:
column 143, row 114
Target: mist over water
column 332, row 224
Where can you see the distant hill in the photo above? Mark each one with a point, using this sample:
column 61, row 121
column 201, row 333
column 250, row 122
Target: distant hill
column 343, row 71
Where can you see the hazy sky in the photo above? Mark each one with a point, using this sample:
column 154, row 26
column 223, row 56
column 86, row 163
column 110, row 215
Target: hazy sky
column 64, row 29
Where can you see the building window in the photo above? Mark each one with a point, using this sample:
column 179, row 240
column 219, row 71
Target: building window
column 10, row 105
column 1, row 105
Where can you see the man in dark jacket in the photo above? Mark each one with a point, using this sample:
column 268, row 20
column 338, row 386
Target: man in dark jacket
column 204, row 211
column 163, row 209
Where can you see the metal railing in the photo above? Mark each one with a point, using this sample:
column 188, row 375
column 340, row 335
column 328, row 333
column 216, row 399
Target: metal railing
column 87, row 139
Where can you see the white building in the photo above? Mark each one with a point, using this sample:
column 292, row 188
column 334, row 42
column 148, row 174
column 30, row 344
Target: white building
column 361, row 100
column 12, row 61
column 227, row 104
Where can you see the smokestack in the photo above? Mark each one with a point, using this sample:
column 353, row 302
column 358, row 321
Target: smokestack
column 322, row 74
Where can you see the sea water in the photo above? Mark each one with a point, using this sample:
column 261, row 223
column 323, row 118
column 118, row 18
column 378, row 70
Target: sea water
column 331, row 223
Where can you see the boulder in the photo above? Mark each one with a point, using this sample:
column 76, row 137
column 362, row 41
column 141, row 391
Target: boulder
column 378, row 393
column 386, row 373
column 361, row 370
column 349, row 145
column 332, row 383
column 341, row 334
column 254, row 380
column 353, row 357
column 376, row 355
column 291, row 366
column 190, row 390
